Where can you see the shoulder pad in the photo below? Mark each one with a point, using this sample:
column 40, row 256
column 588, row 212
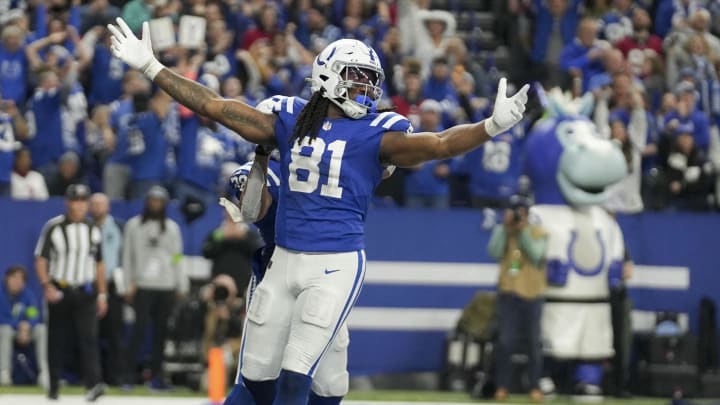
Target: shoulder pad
column 392, row 121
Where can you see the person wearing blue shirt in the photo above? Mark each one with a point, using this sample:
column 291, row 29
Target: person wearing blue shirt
column 116, row 173
column 582, row 58
column 45, row 117
column 201, row 153
column 106, row 71
column 426, row 185
column 494, row 169
column 13, row 65
column 556, row 22
column 439, row 87
column 20, row 321
column 689, row 116
column 150, row 137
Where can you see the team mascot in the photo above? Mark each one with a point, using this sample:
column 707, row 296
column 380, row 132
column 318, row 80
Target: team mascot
column 570, row 168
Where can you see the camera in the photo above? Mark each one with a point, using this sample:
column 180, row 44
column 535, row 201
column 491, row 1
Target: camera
column 517, row 202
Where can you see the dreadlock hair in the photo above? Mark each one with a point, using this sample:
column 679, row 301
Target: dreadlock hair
column 313, row 115
column 311, row 118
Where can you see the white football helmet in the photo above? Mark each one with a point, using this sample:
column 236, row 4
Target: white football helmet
column 346, row 64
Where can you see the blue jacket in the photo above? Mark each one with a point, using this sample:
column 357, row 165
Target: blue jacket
column 574, row 55
column 22, row 307
column 543, row 27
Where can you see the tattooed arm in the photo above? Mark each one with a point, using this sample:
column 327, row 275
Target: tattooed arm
column 251, row 124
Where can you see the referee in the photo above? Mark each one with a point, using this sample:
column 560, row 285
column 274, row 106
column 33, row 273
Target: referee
column 69, row 267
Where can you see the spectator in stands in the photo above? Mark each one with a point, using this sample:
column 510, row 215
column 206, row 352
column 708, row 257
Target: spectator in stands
column 46, row 142
column 201, row 153
column 320, row 32
column 640, row 39
column 624, row 196
column 116, row 171
column 106, row 71
column 436, row 39
column 494, row 169
column 97, row 13
column 220, row 59
column 438, row 85
column 21, row 324
column 68, row 173
column 689, row 175
column 410, row 91
column 152, row 252
column 672, row 14
column 617, row 23
column 75, row 290
column 391, row 59
column 426, row 186
column 111, row 329
column 613, row 62
column 265, row 26
column 230, row 247
column 687, row 114
column 471, row 106
column 519, row 247
column 556, row 22
column 26, row 184
column 14, row 66
column 582, row 58
column 154, row 128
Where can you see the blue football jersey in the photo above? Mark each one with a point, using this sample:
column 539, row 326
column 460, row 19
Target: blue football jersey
column 328, row 184
column 496, row 166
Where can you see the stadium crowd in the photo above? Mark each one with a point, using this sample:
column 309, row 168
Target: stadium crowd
column 73, row 113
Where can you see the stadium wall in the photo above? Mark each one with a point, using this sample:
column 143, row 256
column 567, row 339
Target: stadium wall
column 424, row 266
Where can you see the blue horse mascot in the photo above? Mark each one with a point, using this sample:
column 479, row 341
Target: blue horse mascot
column 570, row 168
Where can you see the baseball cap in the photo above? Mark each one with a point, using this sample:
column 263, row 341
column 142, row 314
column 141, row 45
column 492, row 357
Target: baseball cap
column 158, row 192
column 684, row 87
column 77, row 192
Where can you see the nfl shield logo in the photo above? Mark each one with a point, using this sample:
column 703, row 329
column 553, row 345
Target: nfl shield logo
column 326, row 126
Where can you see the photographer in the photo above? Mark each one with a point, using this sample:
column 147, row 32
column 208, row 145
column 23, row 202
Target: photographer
column 223, row 316
column 519, row 247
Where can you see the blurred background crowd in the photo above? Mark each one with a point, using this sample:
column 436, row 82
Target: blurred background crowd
column 73, row 113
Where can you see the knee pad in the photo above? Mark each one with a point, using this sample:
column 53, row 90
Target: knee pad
column 258, row 366
column 319, row 309
column 335, row 386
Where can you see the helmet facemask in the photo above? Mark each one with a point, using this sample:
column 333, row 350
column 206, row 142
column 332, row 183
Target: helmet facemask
column 358, row 90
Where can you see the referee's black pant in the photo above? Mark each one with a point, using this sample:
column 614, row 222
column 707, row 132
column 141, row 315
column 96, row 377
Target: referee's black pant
column 72, row 321
column 151, row 307
column 112, row 349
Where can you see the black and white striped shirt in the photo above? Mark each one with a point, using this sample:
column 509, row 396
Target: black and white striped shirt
column 72, row 250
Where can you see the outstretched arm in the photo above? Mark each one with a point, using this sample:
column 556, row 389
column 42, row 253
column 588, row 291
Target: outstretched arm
column 405, row 150
column 250, row 123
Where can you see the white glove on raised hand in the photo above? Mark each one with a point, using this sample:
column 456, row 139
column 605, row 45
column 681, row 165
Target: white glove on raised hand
column 137, row 53
column 507, row 111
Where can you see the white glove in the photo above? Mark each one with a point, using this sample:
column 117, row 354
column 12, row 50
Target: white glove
column 133, row 51
column 507, row 111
